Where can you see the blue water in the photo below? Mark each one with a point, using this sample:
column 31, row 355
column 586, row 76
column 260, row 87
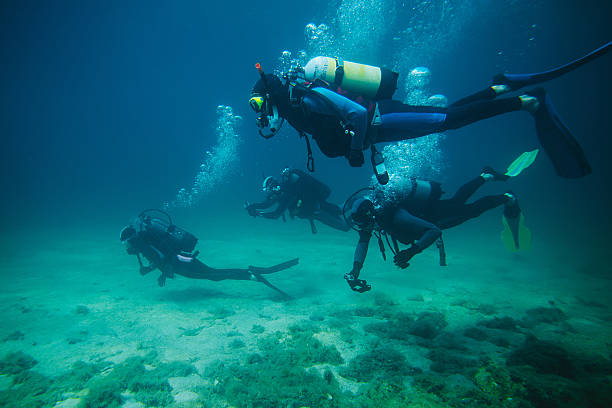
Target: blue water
column 109, row 107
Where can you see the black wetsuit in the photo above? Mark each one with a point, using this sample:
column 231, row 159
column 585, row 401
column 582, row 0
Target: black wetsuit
column 161, row 253
column 326, row 115
column 302, row 196
column 420, row 223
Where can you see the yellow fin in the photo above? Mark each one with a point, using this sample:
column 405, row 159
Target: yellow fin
column 521, row 163
column 524, row 236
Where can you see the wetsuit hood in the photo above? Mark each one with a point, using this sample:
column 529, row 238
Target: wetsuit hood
column 274, row 87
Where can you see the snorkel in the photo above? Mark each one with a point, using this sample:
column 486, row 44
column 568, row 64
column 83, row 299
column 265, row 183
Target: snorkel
column 268, row 114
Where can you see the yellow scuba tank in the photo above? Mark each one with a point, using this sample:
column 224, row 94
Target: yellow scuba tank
column 366, row 80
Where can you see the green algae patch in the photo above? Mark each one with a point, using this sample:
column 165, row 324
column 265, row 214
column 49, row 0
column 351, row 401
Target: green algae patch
column 101, row 384
column 236, row 344
column 497, row 387
column 401, row 326
column 145, row 377
column 15, row 363
column 380, row 363
column 266, row 384
column 387, row 392
column 28, row 389
column 281, row 374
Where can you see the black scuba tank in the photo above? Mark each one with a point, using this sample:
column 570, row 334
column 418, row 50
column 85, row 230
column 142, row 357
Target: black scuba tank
column 167, row 235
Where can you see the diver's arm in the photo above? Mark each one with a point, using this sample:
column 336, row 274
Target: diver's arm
column 154, row 256
column 361, row 251
column 352, row 116
column 350, row 112
column 292, row 178
column 144, row 269
column 260, row 206
column 280, row 209
column 426, row 232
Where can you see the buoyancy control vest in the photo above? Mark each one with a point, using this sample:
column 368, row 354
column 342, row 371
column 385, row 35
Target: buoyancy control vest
column 306, row 186
column 165, row 236
column 325, row 129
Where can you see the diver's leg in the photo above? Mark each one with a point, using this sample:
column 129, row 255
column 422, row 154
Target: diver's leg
column 459, row 116
column 465, row 191
column 331, row 215
column 198, row 270
column 487, row 94
column 398, row 121
column 466, row 212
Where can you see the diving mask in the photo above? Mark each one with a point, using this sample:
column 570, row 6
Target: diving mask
column 257, row 103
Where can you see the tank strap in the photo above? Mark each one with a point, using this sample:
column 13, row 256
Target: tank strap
column 381, row 245
column 310, row 161
column 394, row 248
column 413, row 187
column 376, row 117
column 139, row 259
column 339, row 71
column 442, row 251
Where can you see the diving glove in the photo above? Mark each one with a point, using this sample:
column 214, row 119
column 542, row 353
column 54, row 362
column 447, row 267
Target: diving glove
column 146, row 269
column 358, row 285
column 404, row 256
column 252, row 211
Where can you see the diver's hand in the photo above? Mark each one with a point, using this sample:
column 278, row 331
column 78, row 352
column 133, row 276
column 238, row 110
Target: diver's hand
column 358, row 285
column 161, row 281
column 252, row 211
column 402, row 258
column 145, row 269
column 356, row 158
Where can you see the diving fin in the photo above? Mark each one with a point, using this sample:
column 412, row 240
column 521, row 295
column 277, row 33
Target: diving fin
column 517, row 81
column 515, row 236
column 521, row 163
column 557, row 141
column 514, row 82
column 259, row 271
column 273, row 269
column 271, row 286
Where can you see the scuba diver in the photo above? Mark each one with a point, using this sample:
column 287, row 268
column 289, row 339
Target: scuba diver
column 414, row 214
column 347, row 107
column 171, row 250
column 302, row 196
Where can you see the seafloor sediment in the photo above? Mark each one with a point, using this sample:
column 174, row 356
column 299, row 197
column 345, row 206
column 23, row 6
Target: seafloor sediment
column 81, row 328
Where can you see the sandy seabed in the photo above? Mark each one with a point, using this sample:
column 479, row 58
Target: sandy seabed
column 81, row 328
